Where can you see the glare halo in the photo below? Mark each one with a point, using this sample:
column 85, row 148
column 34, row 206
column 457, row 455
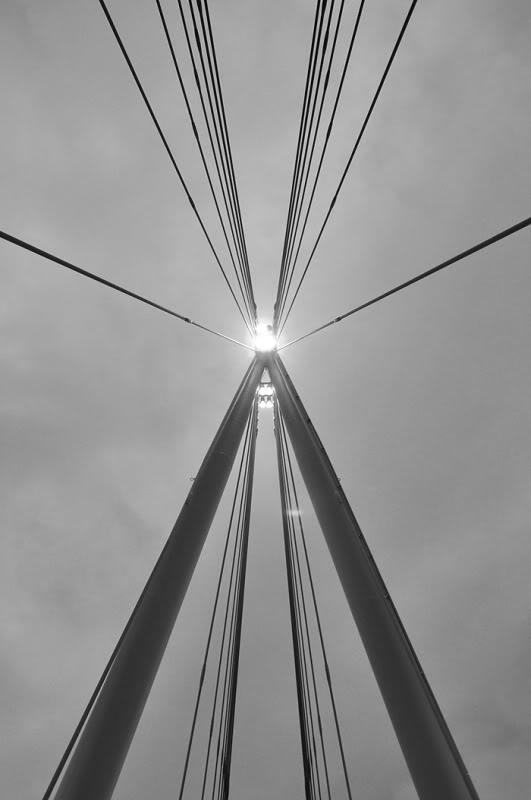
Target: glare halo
column 264, row 340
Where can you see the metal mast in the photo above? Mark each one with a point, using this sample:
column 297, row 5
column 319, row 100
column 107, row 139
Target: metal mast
column 431, row 754
column 102, row 748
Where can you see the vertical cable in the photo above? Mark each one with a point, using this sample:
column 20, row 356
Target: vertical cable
column 214, row 610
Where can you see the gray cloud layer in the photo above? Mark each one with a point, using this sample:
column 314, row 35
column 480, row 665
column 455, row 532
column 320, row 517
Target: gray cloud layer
column 107, row 408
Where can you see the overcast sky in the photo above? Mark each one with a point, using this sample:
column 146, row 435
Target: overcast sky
column 107, row 408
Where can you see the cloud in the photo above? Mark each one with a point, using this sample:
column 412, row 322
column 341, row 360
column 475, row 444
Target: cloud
column 107, row 408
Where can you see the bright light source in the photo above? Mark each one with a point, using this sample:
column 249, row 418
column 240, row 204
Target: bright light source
column 264, row 340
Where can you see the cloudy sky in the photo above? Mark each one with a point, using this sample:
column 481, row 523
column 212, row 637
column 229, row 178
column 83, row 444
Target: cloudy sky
column 107, row 408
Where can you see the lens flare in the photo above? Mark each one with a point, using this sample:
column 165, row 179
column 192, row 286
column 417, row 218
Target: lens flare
column 264, row 340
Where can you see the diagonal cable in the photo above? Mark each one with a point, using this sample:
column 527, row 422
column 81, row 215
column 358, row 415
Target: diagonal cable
column 212, row 132
column 326, row 140
column 215, row 136
column 459, row 257
column 231, row 600
column 218, row 139
column 214, row 610
column 229, row 149
column 293, row 504
column 311, row 139
column 317, row 615
column 170, row 154
column 354, row 150
column 228, row 615
column 226, row 728
column 111, row 285
column 312, row 60
column 310, row 149
column 197, row 139
column 302, row 706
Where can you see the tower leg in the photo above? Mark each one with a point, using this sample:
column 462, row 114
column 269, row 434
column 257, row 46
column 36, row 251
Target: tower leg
column 432, row 757
column 103, row 745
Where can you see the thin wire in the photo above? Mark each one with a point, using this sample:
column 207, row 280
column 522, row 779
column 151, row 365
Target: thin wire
column 234, row 668
column 311, row 60
column 168, row 150
column 220, row 154
column 318, row 619
column 222, row 183
column 227, row 681
column 354, row 149
column 312, row 749
column 311, row 91
column 299, row 604
column 197, row 139
column 298, row 576
column 230, row 594
column 309, row 150
column 476, row 248
column 225, row 182
column 307, row 170
column 305, row 618
column 214, row 610
column 288, row 485
column 303, row 721
column 311, row 94
column 327, row 136
column 229, row 149
column 115, row 286
column 229, row 614
column 231, row 674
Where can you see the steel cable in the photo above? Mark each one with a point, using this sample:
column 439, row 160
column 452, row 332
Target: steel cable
column 304, row 661
column 231, row 593
column 226, row 654
column 312, row 133
column 326, row 139
column 115, row 286
column 310, row 149
column 354, row 150
column 169, row 152
column 211, row 136
column 228, row 147
column 302, row 706
column 198, row 140
column 293, row 504
column 214, row 610
column 226, row 728
column 214, row 123
column 311, row 61
column 317, row 616
column 459, row 257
